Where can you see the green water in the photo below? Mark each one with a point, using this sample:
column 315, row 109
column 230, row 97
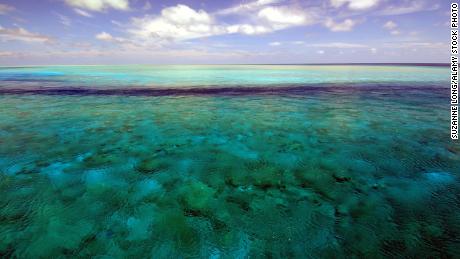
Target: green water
column 363, row 170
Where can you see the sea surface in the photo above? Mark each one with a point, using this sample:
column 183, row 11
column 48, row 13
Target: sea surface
column 240, row 161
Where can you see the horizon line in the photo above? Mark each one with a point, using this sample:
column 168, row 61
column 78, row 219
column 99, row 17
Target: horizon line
column 433, row 64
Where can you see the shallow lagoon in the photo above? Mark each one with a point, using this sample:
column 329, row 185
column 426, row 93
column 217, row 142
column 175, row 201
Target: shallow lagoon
column 362, row 170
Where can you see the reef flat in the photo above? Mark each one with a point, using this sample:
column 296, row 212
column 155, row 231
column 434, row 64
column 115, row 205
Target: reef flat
column 357, row 165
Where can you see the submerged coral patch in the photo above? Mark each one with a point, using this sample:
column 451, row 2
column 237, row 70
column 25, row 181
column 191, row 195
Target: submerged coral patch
column 343, row 174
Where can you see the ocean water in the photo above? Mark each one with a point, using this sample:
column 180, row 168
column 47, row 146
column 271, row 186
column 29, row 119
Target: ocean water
column 228, row 162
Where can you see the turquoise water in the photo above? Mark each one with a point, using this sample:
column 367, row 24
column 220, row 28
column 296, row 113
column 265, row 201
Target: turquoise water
column 222, row 75
column 310, row 162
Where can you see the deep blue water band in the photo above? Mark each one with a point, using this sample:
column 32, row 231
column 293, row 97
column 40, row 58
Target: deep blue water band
column 234, row 90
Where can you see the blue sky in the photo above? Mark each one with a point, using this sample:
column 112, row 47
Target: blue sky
column 213, row 32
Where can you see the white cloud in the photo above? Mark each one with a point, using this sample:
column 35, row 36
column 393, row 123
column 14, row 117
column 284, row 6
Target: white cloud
column 175, row 23
column 4, row 8
column 180, row 22
column 266, row 16
column 64, row 19
column 251, row 6
column 104, row 36
column 82, row 13
column 404, row 45
column 390, row 25
column 182, row 14
column 355, row 4
column 346, row 25
column 270, row 19
column 126, row 43
column 321, row 52
column 408, row 7
column 99, row 5
column 339, row 45
column 247, row 29
column 117, row 23
column 283, row 17
column 279, row 43
column 21, row 34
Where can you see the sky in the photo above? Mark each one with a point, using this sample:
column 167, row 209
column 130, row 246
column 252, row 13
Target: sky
column 66, row 32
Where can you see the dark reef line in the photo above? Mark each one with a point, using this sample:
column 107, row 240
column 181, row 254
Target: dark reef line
column 231, row 91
